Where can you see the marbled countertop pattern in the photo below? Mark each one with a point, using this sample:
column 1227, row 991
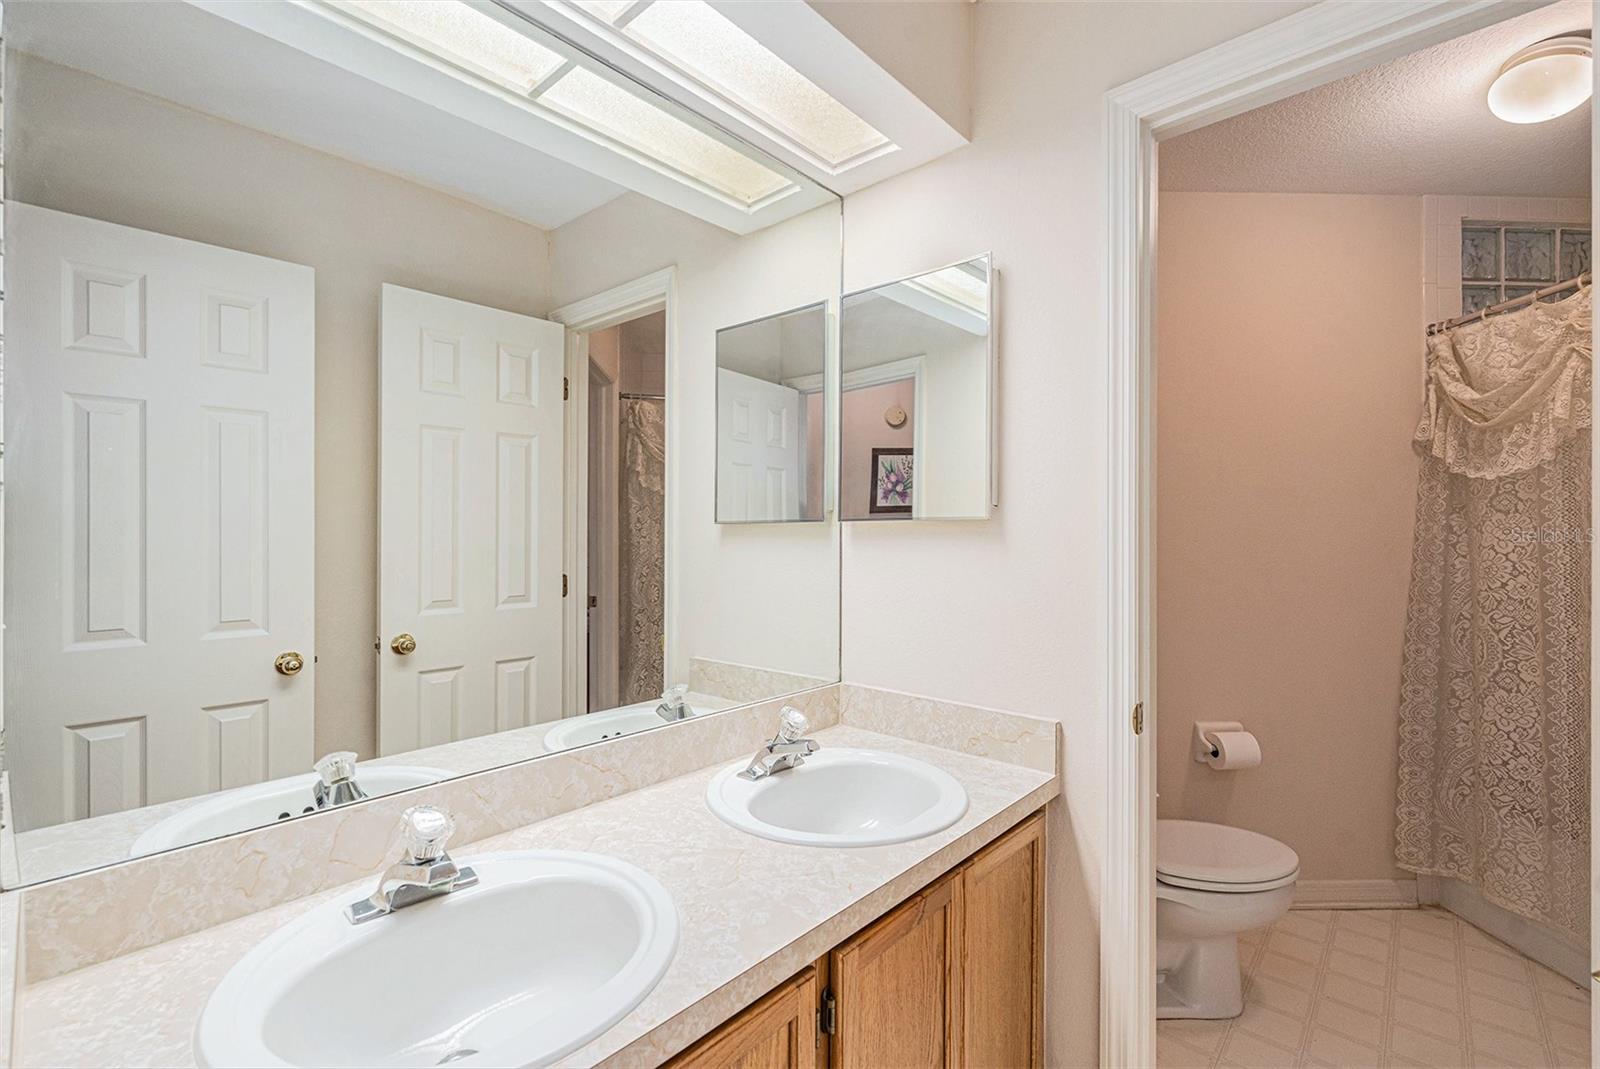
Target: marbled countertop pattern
column 752, row 912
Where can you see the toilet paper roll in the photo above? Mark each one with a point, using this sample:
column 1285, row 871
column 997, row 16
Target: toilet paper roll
column 1233, row 750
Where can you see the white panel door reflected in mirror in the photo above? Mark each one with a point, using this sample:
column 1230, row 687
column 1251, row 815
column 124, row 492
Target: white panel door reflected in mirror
column 772, row 418
column 916, row 382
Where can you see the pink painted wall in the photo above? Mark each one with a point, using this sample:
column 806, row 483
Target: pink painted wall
column 863, row 429
column 1289, row 384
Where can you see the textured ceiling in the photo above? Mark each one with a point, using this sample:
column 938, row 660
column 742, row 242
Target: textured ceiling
column 1418, row 124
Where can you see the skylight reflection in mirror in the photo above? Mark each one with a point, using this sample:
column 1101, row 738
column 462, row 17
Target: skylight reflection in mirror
column 487, row 49
column 705, row 45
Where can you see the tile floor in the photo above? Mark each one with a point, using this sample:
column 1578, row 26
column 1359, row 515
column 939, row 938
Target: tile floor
column 1366, row 988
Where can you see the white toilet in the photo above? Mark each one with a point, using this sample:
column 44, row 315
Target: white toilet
column 1212, row 882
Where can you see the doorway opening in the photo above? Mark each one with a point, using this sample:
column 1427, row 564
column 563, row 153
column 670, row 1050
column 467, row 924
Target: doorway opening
column 1296, row 54
column 625, row 505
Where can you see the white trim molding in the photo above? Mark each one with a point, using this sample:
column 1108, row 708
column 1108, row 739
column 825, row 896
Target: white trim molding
column 651, row 293
column 1355, row 894
column 1537, row 941
column 1303, row 50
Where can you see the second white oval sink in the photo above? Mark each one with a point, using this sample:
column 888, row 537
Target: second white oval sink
column 549, row 950
column 841, row 797
column 599, row 726
column 261, row 804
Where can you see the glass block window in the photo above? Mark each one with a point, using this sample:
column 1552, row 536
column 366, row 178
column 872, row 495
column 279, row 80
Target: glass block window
column 1502, row 261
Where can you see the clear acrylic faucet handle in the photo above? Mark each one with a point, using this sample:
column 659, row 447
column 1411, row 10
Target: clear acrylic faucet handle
column 427, row 828
column 675, row 692
column 792, row 724
column 335, row 767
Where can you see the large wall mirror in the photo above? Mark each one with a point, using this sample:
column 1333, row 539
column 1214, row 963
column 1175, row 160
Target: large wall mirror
column 360, row 424
column 916, row 416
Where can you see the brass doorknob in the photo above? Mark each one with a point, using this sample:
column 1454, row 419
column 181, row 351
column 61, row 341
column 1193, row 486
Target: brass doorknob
column 289, row 663
column 403, row 644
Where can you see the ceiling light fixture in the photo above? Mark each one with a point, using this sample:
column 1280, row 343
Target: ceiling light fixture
column 1544, row 80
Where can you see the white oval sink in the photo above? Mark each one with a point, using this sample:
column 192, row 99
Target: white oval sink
column 608, row 724
column 549, row 950
column 261, row 804
column 840, row 797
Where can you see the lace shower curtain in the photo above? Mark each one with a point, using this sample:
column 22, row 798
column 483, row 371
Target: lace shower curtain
column 1494, row 707
column 641, row 556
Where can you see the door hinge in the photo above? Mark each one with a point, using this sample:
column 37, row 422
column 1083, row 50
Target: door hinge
column 563, row 584
column 1138, row 719
column 566, row 388
column 828, row 1015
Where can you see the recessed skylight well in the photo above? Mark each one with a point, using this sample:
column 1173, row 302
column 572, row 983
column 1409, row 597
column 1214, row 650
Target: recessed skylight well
column 465, row 36
column 706, row 46
column 550, row 77
column 595, row 102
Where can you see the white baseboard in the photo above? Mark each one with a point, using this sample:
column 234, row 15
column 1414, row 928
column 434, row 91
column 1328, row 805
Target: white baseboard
column 1542, row 944
column 1355, row 894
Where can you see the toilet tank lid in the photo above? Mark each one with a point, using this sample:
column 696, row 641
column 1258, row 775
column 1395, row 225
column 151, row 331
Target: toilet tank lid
column 1217, row 853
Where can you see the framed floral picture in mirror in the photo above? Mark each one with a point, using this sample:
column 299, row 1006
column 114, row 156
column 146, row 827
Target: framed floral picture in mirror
column 891, row 482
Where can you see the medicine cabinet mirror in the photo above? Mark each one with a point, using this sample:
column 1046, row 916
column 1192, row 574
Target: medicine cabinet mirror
column 772, row 417
column 360, row 385
column 916, row 421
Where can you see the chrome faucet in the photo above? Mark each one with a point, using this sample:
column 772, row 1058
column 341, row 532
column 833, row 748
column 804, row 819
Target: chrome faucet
column 336, row 781
column 425, row 871
column 786, row 750
column 672, row 706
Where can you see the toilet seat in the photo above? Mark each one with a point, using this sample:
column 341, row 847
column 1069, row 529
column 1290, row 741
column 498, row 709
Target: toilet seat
column 1215, row 857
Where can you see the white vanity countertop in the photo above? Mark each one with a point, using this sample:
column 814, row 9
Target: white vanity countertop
column 752, row 912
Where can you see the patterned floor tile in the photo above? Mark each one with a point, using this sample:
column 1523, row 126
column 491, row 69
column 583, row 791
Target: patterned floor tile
column 1356, row 993
column 1247, row 1051
column 1344, row 963
column 1280, row 1028
column 1278, row 995
column 1402, row 988
column 1438, row 990
column 1412, row 1048
column 1328, row 1047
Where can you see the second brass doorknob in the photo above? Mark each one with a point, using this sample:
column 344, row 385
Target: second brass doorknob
column 403, row 644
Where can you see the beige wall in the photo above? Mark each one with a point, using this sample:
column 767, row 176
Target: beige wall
column 81, row 145
column 1290, row 379
column 1012, row 612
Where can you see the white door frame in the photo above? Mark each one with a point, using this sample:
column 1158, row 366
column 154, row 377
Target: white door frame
column 1303, row 50
column 604, row 637
column 652, row 293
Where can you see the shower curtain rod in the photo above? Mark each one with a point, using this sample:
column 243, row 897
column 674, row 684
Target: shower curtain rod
column 1505, row 306
column 643, row 396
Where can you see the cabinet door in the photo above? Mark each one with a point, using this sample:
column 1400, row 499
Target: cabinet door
column 898, row 986
column 779, row 1032
column 1003, row 938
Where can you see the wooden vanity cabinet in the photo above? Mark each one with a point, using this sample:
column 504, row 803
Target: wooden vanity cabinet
column 778, row 1032
column 952, row 977
column 1002, row 1009
column 896, row 987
